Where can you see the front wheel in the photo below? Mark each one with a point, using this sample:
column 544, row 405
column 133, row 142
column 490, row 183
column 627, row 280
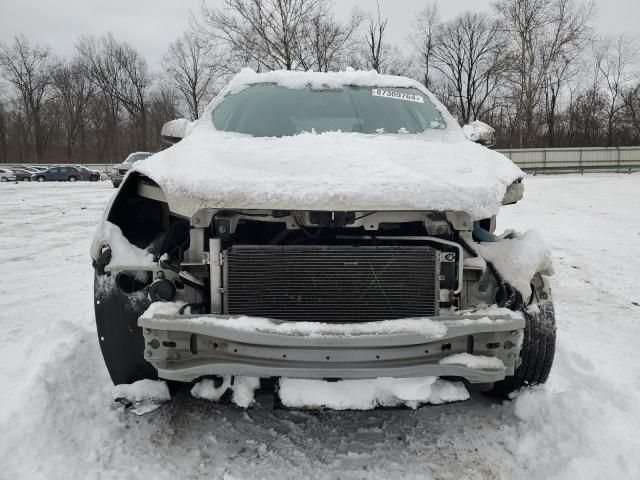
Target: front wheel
column 536, row 355
column 4, row 179
column 72, row 178
column 26, row 179
column 40, row 178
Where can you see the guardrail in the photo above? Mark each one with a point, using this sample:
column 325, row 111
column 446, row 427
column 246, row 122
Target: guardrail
column 583, row 168
column 544, row 160
column 566, row 160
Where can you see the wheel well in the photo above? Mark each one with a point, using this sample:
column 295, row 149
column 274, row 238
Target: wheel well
column 140, row 219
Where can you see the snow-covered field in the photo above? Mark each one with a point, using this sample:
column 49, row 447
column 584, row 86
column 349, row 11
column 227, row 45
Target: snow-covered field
column 57, row 420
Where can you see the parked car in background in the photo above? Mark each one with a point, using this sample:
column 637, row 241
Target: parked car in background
column 59, row 173
column 120, row 170
column 7, row 175
column 23, row 174
column 88, row 174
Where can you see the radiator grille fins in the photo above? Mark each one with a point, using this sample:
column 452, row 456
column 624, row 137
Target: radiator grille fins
column 331, row 283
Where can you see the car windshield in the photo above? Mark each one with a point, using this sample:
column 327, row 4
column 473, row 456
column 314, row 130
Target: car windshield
column 267, row 110
column 134, row 157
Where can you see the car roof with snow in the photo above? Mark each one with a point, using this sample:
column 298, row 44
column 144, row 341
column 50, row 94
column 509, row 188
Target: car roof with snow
column 438, row 169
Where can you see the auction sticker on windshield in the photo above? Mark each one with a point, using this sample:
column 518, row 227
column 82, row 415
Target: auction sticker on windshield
column 409, row 97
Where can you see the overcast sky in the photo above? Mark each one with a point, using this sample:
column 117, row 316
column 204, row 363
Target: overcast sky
column 149, row 25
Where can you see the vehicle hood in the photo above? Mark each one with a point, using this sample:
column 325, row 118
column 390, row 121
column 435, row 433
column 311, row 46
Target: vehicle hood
column 330, row 171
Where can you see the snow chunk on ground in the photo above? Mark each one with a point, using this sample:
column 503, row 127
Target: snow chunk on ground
column 243, row 389
column 369, row 394
column 480, row 362
column 142, row 390
column 518, row 259
column 143, row 396
column 122, row 251
column 206, row 389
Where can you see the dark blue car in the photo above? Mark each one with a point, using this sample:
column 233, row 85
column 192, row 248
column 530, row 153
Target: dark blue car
column 59, row 173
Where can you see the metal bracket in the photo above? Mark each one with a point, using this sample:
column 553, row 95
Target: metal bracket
column 215, row 275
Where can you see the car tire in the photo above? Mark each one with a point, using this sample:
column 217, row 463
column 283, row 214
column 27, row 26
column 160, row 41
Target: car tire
column 72, row 178
column 537, row 353
column 40, row 178
column 5, row 179
column 26, row 179
column 94, row 178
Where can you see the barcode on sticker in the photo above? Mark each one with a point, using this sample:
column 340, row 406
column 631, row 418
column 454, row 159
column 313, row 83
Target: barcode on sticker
column 409, row 97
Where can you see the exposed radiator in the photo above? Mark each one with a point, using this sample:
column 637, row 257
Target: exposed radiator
column 332, row 283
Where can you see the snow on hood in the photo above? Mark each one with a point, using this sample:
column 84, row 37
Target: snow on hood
column 437, row 170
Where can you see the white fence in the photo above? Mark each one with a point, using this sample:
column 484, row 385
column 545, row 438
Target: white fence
column 576, row 159
column 543, row 160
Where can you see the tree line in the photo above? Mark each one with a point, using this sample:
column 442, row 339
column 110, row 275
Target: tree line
column 536, row 70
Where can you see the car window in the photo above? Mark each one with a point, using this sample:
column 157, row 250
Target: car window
column 271, row 110
column 134, row 157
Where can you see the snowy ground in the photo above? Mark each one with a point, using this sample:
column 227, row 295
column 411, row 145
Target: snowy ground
column 57, row 420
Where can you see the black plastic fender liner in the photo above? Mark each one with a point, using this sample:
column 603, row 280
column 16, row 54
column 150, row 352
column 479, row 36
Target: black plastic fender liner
column 120, row 338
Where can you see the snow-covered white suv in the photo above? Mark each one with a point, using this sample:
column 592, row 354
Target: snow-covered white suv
column 322, row 226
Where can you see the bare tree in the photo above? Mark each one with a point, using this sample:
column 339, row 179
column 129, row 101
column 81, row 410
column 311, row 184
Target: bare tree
column 73, row 93
column 104, row 109
column 326, row 43
column 4, row 131
column 554, row 81
column 426, row 26
column 192, row 70
column 266, row 32
column 163, row 106
column 469, row 52
column 540, row 32
column 614, row 59
column 30, row 70
column 375, row 38
column 632, row 108
column 118, row 70
column 377, row 53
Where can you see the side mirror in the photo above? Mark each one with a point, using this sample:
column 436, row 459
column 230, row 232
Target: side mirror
column 480, row 132
column 175, row 130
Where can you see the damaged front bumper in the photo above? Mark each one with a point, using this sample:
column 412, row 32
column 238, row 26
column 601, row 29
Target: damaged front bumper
column 187, row 347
